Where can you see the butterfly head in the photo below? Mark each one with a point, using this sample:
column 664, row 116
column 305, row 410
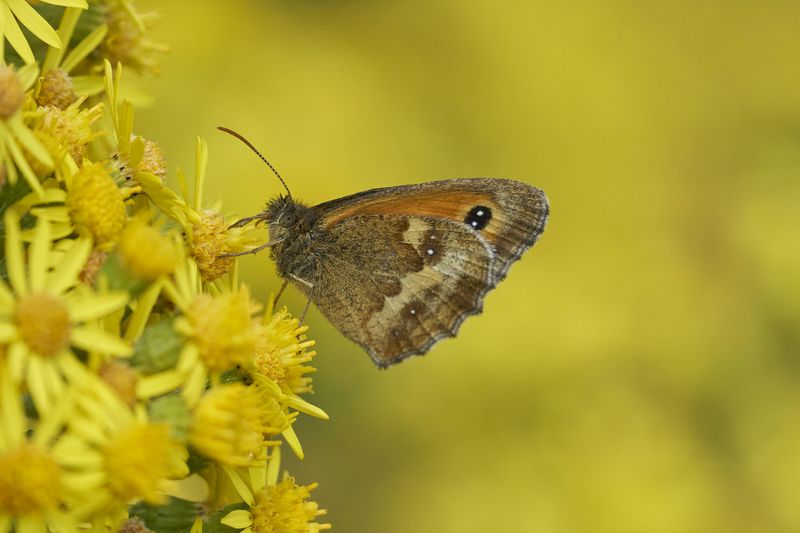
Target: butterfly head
column 285, row 216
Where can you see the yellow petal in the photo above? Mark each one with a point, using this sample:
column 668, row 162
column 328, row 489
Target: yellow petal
column 14, row 264
column 238, row 519
column 274, row 467
column 294, row 443
column 36, row 385
column 91, row 307
column 32, row 144
column 239, row 484
column 17, row 357
column 34, row 22
column 158, row 384
column 6, row 298
column 8, row 333
column 65, row 275
column 22, row 162
column 303, row 406
column 68, row 3
column 13, row 33
column 93, row 339
column 84, row 48
column 39, row 251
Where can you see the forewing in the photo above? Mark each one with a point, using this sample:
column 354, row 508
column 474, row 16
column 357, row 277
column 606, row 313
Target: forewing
column 517, row 212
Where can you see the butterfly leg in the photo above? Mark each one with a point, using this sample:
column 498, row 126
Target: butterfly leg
column 305, row 311
column 310, row 294
column 280, row 291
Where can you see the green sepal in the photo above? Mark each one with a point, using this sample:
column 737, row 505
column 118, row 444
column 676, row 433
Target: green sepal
column 158, row 348
column 214, row 523
column 174, row 411
column 177, row 516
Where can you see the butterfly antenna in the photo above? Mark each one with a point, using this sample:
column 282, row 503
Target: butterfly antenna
column 253, row 148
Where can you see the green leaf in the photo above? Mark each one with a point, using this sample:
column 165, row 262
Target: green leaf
column 177, row 516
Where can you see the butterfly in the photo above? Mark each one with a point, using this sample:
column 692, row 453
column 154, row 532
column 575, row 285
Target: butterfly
column 397, row 269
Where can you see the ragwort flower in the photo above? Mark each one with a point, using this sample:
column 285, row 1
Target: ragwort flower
column 124, row 457
column 273, row 506
column 42, row 316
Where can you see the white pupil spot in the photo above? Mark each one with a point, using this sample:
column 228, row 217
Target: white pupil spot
column 474, row 224
column 479, row 213
column 413, row 311
column 430, row 251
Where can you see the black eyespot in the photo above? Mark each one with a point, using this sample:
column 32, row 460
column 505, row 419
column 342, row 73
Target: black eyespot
column 478, row 217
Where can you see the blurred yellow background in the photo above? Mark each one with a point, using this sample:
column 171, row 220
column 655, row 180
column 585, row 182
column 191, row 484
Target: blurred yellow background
column 639, row 370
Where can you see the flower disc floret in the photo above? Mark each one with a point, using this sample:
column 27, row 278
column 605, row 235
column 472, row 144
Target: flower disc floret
column 43, row 322
column 231, row 423
column 285, row 508
column 146, row 253
column 220, row 327
column 140, row 460
column 11, row 92
column 96, row 205
column 30, row 481
column 56, row 89
column 209, row 244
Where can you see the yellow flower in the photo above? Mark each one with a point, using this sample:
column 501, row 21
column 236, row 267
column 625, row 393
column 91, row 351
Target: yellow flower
column 16, row 138
column 35, row 489
column 208, row 233
column 12, row 11
column 96, row 205
column 127, row 41
column 145, row 253
column 231, row 423
column 123, row 456
column 274, row 507
column 281, row 351
column 41, row 317
column 218, row 331
column 56, row 89
column 70, row 128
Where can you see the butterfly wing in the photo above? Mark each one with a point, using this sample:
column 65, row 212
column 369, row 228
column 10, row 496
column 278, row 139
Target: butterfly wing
column 508, row 214
column 404, row 266
column 397, row 284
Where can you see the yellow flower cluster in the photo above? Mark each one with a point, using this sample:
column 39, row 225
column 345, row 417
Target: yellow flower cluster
column 141, row 386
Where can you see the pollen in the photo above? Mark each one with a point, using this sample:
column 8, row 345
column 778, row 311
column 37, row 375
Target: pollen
column 286, row 508
column 56, row 89
column 222, row 330
column 153, row 160
column 141, row 459
column 43, row 322
column 30, row 481
column 146, row 253
column 11, row 92
column 70, row 127
column 231, row 422
column 96, row 205
column 208, row 244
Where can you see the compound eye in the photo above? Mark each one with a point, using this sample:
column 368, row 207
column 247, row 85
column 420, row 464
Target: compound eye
column 289, row 219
